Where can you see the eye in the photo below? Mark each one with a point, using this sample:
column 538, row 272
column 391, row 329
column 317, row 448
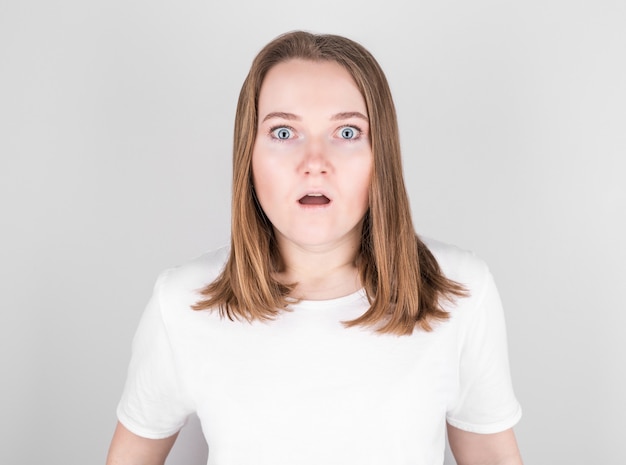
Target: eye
column 349, row 132
column 281, row 133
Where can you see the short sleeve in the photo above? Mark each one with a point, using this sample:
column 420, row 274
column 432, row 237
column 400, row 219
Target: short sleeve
column 153, row 403
column 485, row 401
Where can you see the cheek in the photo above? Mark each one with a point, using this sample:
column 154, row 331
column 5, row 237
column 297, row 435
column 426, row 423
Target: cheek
column 259, row 180
column 361, row 177
column 260, row 169
column 265, row 179
column 264, row 162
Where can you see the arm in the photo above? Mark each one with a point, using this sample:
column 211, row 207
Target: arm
column 484, row 449
column 129, row 449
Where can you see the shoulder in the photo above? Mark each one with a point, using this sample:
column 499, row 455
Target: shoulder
column 189, row 278
column 464, row 267
column 481, row 310
column 458, row 264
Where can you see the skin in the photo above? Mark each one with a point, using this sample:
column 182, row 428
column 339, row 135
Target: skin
column 313, row 138
column 129, row 449
column 484, row 449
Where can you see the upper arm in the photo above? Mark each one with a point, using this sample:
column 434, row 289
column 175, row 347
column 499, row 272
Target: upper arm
column 129, row 449
column 484, row 449
column 484, row 401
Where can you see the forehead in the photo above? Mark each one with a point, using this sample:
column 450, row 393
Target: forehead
column 300, row 85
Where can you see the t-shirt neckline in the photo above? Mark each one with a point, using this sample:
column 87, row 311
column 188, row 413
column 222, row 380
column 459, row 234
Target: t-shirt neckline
column 330, row 303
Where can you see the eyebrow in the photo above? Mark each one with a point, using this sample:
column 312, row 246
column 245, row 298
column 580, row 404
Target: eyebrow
column 336, row 117
column 348, row 115
column 282, row 115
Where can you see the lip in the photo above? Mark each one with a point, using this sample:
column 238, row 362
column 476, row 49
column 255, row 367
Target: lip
column 314, row 192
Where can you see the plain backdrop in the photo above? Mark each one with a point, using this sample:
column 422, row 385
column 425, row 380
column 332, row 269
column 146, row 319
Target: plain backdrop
column 115, row 161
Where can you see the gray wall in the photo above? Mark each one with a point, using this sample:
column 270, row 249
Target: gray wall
column 115, row 137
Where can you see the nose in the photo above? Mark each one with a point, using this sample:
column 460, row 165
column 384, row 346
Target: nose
column 315, row 159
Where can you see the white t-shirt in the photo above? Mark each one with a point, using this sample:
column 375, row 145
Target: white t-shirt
column 303, row 389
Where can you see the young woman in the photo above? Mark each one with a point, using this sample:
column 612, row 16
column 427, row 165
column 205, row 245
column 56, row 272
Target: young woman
column 328, row 332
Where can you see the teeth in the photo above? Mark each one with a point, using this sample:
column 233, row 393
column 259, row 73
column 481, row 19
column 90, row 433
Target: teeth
column 314, row 195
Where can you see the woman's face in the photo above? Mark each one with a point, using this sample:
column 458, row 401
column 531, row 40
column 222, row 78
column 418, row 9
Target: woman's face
column 312, row 159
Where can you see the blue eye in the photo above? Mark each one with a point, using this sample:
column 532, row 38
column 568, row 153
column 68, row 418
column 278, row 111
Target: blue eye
column 349, row 133
column 282, row 133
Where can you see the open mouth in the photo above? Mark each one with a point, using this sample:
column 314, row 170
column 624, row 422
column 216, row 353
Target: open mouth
column 314, row 199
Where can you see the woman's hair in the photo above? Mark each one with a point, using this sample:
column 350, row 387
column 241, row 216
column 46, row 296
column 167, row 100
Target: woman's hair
column 401, row 278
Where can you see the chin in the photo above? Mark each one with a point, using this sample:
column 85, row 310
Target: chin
column 318, row 239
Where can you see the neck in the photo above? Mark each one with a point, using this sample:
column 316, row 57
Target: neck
column 320, row 272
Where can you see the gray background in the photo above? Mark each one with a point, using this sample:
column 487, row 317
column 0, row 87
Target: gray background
column 116, row 125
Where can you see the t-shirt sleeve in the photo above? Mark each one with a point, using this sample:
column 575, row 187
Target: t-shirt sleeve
column 153, row 404
column 485, row 401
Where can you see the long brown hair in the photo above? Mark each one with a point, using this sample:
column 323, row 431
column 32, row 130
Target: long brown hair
column 401, row 277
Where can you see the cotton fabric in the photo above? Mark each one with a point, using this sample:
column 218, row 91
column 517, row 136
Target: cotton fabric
column 304, row 389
